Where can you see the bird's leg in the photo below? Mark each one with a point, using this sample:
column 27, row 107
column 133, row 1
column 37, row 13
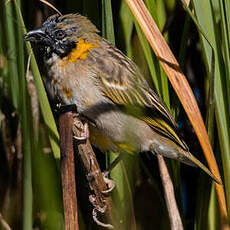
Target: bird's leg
column 113, row 164
column 110, row 183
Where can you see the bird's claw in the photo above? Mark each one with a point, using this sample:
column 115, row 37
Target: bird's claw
column 85, row 134
column 110, row 183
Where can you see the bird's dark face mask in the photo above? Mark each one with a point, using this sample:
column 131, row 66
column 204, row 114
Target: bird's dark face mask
column 54, row 36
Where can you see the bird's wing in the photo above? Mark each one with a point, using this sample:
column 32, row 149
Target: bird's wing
column 122, row 83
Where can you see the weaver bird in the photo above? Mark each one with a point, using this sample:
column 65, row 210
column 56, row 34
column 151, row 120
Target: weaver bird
column 124, row 114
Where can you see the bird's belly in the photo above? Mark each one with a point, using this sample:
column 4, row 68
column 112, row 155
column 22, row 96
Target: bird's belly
column 100, row 140
column 117, row 131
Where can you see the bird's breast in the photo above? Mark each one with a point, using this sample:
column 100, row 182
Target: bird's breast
column 72, row 83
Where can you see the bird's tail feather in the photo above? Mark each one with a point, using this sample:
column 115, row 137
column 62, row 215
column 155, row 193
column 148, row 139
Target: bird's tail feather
column 195, row 162
column 189, row 159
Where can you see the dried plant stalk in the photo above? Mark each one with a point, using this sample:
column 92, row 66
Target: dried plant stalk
column 174, row 215
column 68, row 171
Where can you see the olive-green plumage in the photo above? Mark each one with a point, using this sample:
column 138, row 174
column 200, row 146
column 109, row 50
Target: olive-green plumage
column 123, row 112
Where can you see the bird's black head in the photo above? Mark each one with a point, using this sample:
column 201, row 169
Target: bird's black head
column 60, row 34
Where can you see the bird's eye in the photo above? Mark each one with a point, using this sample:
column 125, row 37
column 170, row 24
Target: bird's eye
column 59, row 34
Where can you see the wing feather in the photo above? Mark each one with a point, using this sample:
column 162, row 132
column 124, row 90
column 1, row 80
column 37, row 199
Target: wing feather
column 123, row 84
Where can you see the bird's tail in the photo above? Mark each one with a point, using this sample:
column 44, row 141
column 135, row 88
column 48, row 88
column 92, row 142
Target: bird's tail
column 191, row 160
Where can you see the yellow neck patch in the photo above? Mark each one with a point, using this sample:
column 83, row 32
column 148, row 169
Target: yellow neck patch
column 81, row 50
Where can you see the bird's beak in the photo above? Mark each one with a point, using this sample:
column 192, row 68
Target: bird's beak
column 37, row 35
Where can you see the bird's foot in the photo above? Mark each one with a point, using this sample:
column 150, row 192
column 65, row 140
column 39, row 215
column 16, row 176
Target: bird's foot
column 101, row 210
column 84, row 130
column 110, row 183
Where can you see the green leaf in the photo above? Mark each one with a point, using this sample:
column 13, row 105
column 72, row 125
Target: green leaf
column 206, row 19
column 43, row 100
column 107, row 21
column 12, row 54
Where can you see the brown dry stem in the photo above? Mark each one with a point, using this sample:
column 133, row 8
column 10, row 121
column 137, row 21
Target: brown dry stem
column 68, row 171
column 3, row 223
column 174, row 215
